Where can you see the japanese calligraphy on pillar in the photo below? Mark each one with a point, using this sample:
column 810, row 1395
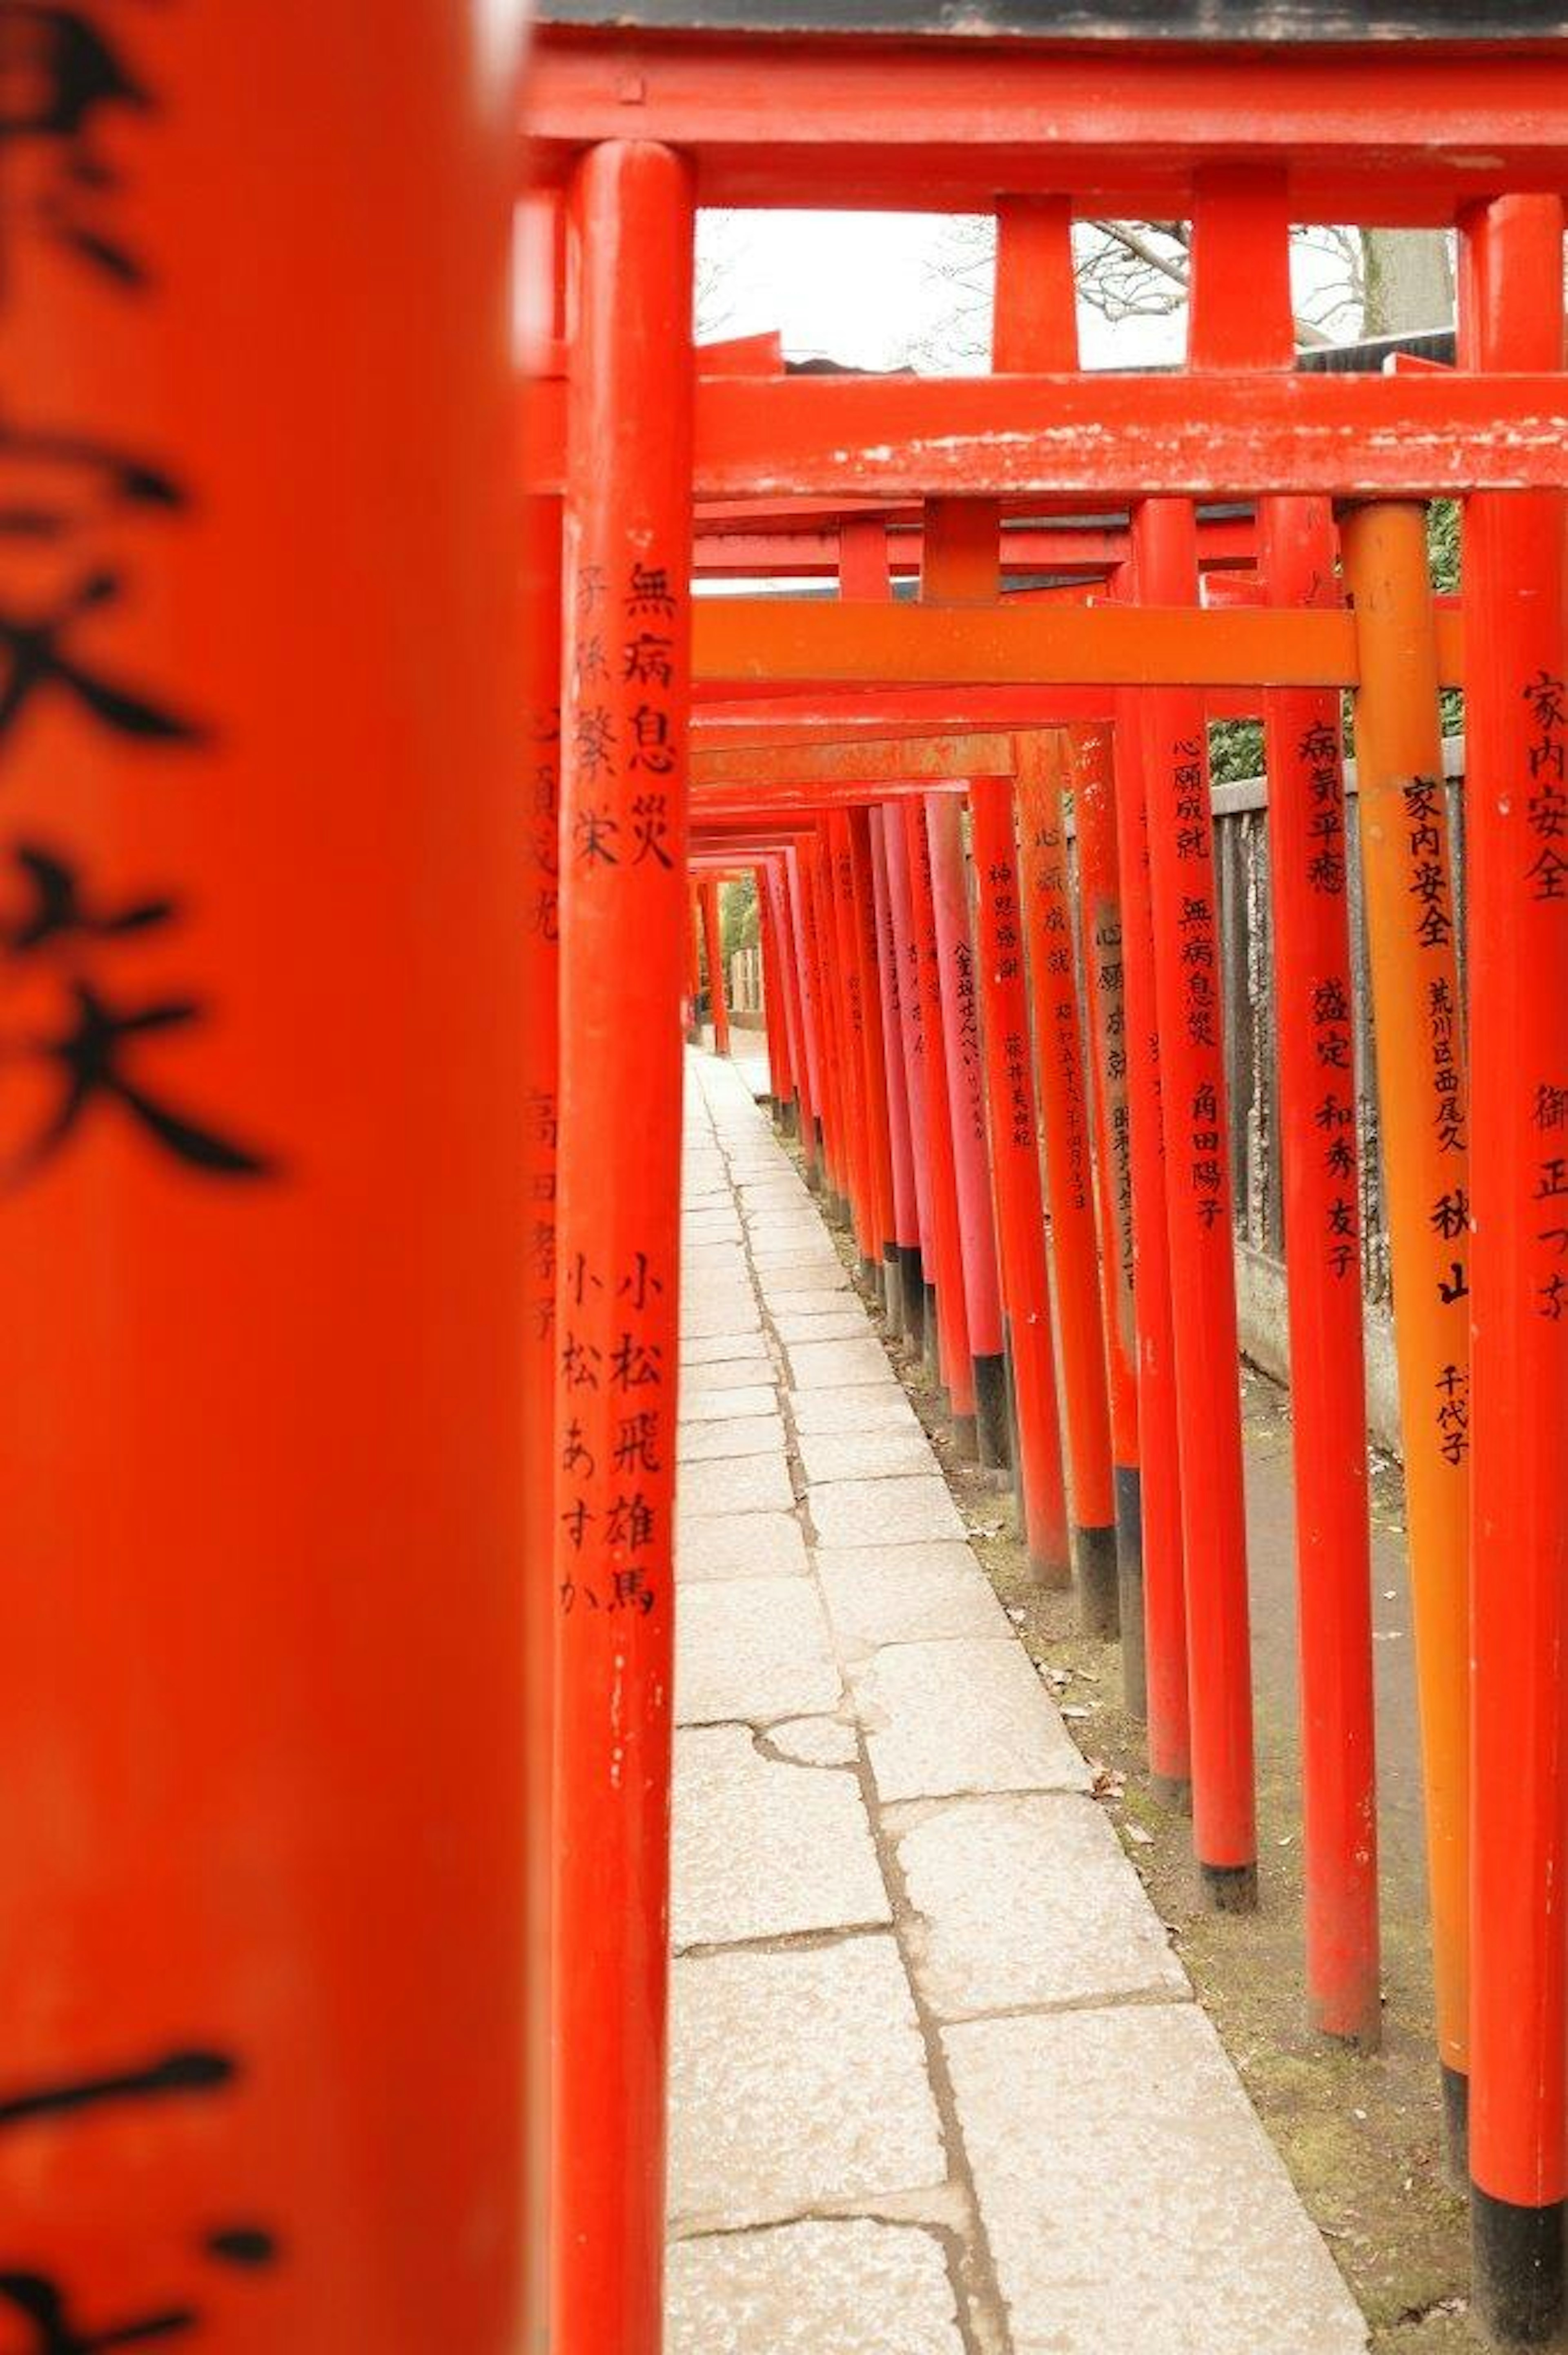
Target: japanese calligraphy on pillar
column 1054, row 948
column 56, row 2322
column 1198, row 951
column 614, row 1302
column 92, row 1048
column 1000, row 885
column 1430, row 891
column 87, row 1045
column 542, row 902
column 1546, row 887
column 1330, row 1017
column 968, row 1033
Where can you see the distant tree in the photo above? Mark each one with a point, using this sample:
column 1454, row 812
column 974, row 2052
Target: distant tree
column 1372, row 282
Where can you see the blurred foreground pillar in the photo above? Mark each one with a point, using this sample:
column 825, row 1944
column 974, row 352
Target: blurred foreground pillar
column 260, row 1140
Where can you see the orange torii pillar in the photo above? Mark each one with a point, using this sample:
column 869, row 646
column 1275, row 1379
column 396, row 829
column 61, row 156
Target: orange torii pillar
column 1161, row 1520
column 1015, row 1164
column 911, row 1289
column 1424, row 1118
column 952, row 1314
column 1093, row 777
column 622, row 956
column 820, row 936
column 1198, row 1223
column 895, row 842
column 853, row 1065
column 263, row 1870
column 878, row 1112
column 775, row 1015
column 965, row 1102
column 694, row 967
column 808, row 1063
column 713, row 951
column 1322, row 1243
column 782, row 977
column 1242, row 316
column 1069, row 1176
column 541, row 983
column 1516, row 718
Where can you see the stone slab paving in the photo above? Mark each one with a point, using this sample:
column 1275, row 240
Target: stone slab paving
column 939, row 2085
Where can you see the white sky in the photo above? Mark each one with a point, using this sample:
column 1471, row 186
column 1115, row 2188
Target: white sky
column 864, row 288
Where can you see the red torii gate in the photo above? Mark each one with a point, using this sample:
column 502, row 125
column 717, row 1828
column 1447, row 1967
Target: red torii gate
column 638, row 126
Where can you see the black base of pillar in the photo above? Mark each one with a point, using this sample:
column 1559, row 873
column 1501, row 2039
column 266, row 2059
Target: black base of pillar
column 990, row 1413
column 1099, row 1598
column 789, row 1115
column 1230, row 1888
column 933, row 1335
column 1128, row 1490
column 965, row 1436
column 1172, row 1791
column 893, row 1290
column 871, row 1276
column 1457, row 2124
column 912, row 1280
column 1517, row 2268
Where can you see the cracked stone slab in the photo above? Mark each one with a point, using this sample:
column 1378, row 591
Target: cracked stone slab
column 741, row 1434
column 845, row 1323
column 815, row 1279
column 744, row 1403
column 884, row 1512
column 837, row 1454
column 735, row 1484
column 1130, row 2193
column 1028, row 1902
column 835, row 1364
column 965, row 1714
column 766, row 1850
column 732, row 1299
column 907, row 1593
column 813, row 1742
column 739, row 1546
column 724, row 1373
column 817, row 1300
column 855, row 2287
column 720, row 1347
column 713, row 1259
column 752, row 1648
column 797, row 2078
column 711, row 1226
column 883, row 1407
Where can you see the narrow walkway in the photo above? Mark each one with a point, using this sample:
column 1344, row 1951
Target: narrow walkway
column 940, row 2087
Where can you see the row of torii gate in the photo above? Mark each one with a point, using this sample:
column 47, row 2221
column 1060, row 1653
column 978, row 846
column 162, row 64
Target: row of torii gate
column 838, row 747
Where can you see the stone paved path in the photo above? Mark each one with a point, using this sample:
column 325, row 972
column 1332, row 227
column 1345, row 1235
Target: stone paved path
column 940, row 2087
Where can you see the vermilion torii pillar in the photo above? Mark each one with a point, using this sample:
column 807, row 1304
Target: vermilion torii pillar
column 1516, row 718
column 906, row 959
column 957, row 1365
column 1101, row 929
column 713, row 951
column 1015, row 1167
column 263, row 1865
column 623, row 902
column 910, row 1287
column 1198, row 1225
column 1069, row 1176
column 1242, row 315
column 966, row 1107
column 1424, row 1118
